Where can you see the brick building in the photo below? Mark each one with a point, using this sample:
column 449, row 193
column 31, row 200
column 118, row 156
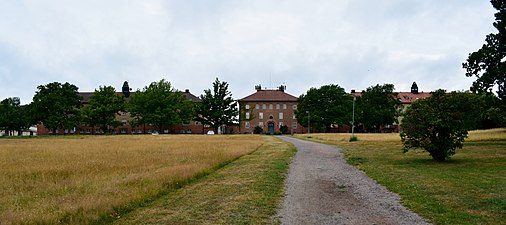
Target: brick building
column 190, row 127
column 269, row 110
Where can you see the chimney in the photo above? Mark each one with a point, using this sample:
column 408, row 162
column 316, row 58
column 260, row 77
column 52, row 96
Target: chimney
column 125, row 89
column 258, row 87
column 353, row 91
column 187, row 90
column 414, row 88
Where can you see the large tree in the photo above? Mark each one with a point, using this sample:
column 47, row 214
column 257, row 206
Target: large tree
column 379, row 107
column 440, row 124
column 217, row 107
column 102, row 108
column 57, row 106
column 325, row 106
column 488, row 64
column 13, row 116
column 159, row 104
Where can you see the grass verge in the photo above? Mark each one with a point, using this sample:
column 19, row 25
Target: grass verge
column 246, row 191
column 470, row 188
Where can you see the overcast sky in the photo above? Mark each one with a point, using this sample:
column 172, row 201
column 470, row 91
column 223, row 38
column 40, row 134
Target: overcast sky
column 299, row 43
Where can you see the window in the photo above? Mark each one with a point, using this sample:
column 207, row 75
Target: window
column 247, row 115
column 294, row 125
column 294, row 106
column 257, row 106
column 277, row 106
column 271, row 107
column 294, row 117
column 284, row 106
column 246, row 125
column 280, row 115
column 264, row 106
column 261, row 124
column 280, row 124
column 246, row 106
column 261, row 116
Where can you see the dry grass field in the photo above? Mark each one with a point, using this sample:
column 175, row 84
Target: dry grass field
column 79, row 180
column 470, row 188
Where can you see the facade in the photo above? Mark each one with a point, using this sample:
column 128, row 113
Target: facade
column 269, row 110
column 190, row 127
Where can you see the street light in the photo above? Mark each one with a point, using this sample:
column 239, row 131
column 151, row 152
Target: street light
column 308, row 123
column 353, row 121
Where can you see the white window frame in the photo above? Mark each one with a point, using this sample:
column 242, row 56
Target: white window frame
column 280, row 116
column 246, row 115
column 246, row 106
column 261, row 116
column 247, row 124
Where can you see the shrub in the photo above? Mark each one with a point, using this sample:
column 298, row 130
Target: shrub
column 258, row 130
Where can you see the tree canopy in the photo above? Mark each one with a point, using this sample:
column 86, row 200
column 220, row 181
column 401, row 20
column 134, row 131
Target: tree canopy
column 488, row 63
column 217, row 107
column 57, row 105
column 102, row 108
column 326, row 106
column 159, row 104
column 378, row 107
column 440, row 124
column 13, row 116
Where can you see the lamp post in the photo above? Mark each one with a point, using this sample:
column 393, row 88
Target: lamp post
column 353, row 120
column 308, row 123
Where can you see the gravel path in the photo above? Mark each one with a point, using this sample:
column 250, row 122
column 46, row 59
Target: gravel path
column 321, row 188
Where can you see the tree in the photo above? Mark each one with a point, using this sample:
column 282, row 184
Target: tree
column 103, row 107
column 13, row 116
column 488, row 63
column 379, row 107
column 440, row 124
column 326, row 106
column 57, row 106
column 217, row 107
column 159, row 104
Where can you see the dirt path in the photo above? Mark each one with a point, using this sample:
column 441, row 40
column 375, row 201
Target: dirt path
column 322, row 188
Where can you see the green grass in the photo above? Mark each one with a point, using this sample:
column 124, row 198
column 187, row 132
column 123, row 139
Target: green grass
column 470, row 188
column 246, row 191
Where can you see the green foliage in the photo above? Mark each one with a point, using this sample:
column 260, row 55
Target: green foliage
column 326, row 106
column 353, row 138
column 440, row 124
column 284, row 129
column 103, row 107
column 159, row 104
column 217, row 108
column 487, row 63
column 379, row 107
column 13, row 116
column 258, row 130
column 57, row 105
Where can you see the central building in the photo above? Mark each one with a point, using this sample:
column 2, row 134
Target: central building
column 271, row 110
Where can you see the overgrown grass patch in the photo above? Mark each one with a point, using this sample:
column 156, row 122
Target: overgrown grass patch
column 246, row 191
column 84, row 179
column 470, row 188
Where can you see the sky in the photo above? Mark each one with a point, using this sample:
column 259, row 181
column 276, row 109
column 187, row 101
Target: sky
column 298, row 43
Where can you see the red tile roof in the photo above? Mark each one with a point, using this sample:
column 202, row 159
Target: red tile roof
column 408, row 97
column 404, row 97
column 269, row 96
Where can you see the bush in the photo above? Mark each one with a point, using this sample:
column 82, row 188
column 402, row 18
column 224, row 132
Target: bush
column 284, row 129
column 258, row 130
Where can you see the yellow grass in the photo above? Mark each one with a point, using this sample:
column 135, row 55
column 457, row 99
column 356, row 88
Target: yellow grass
column 79, row 180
